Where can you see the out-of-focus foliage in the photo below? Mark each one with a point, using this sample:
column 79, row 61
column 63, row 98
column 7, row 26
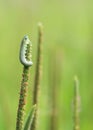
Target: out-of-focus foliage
column 68, row 30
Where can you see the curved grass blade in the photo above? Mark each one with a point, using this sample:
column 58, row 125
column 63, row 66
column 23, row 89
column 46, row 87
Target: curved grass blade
column 30, row 118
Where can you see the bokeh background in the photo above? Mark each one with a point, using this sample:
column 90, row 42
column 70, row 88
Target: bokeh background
column 67, row 51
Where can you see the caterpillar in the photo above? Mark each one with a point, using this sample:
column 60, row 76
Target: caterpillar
column 25, row 52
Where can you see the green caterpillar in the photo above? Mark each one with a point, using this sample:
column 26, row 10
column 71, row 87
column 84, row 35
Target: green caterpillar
column 24, row 52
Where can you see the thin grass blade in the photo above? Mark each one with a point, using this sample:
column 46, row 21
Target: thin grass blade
column 30, row 118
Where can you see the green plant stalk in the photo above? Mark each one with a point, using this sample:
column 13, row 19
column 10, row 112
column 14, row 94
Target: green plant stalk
column 53, row 75
column 25, row 47
column 76, row 105
column 37, row 75
column 22, row 99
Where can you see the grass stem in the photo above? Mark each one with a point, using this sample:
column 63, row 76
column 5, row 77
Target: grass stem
column 22, row 99
column 76, row 104
column 37, row 74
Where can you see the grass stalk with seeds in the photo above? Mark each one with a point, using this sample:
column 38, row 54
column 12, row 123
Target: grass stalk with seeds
column 37, row 74
column 25, row 58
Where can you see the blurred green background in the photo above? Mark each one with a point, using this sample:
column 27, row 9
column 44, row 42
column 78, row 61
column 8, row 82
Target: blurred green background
column 68, row 35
